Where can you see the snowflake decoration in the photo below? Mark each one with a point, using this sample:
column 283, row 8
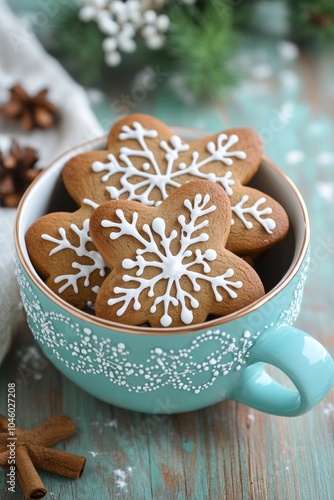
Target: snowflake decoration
column 81, row 250
column 240, row 211
column 171, row 267
column 153, row 177
column 122, row 22
column 151, row 173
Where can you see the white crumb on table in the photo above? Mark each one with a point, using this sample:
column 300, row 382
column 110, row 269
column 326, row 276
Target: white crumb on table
column 329, row 409
column 121, row 476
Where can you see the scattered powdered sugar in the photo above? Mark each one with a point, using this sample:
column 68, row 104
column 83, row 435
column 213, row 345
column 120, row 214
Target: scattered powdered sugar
column 250, row 419
column 109, row 423
column 97, row 453
column 329, row 409
column 294, row 157
column 121, row 476
column 94, row 453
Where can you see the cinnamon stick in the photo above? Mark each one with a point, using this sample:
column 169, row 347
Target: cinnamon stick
column 57, row 461
column 49, row 432
column 4, row 459
column 3, row 423
column 28, row 477
column 32, row 450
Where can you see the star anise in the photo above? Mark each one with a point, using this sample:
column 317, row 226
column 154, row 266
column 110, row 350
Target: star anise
column 16, row 173
column 30, row 110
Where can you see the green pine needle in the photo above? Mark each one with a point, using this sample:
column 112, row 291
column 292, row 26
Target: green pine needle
column 79, row 45
column 202, row 43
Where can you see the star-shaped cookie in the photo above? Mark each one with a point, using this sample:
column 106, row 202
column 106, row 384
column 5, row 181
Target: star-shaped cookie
column 169, row 263
column 145, row 161
column 64, row 255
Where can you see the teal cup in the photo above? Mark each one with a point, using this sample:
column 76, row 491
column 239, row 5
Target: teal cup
column 175, row 370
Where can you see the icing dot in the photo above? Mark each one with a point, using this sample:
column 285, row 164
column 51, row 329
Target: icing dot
column 247, row 334
column 146, row 166
column 271, row 224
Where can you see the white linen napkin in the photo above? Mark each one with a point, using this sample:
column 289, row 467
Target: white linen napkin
column 23, row 60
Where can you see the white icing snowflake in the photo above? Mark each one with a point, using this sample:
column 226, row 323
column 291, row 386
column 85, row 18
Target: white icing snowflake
column 138, row 181
column 240, row 211
column 171, row 267
column 81, row 250
column 152, row 175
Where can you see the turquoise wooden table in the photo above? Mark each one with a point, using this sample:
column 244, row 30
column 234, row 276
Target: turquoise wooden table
column 227, row 451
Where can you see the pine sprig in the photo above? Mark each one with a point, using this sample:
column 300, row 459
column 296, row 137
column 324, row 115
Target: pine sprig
column 80, row 47
column 202, row 43
column 200, row 40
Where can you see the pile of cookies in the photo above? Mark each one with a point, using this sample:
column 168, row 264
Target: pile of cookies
column 165, row 229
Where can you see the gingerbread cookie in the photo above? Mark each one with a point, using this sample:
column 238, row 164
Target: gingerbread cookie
column 169, row 263
column 63, row 254
column 145, row 161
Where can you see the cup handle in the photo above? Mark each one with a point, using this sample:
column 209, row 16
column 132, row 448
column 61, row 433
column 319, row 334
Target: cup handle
column 301, row 357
